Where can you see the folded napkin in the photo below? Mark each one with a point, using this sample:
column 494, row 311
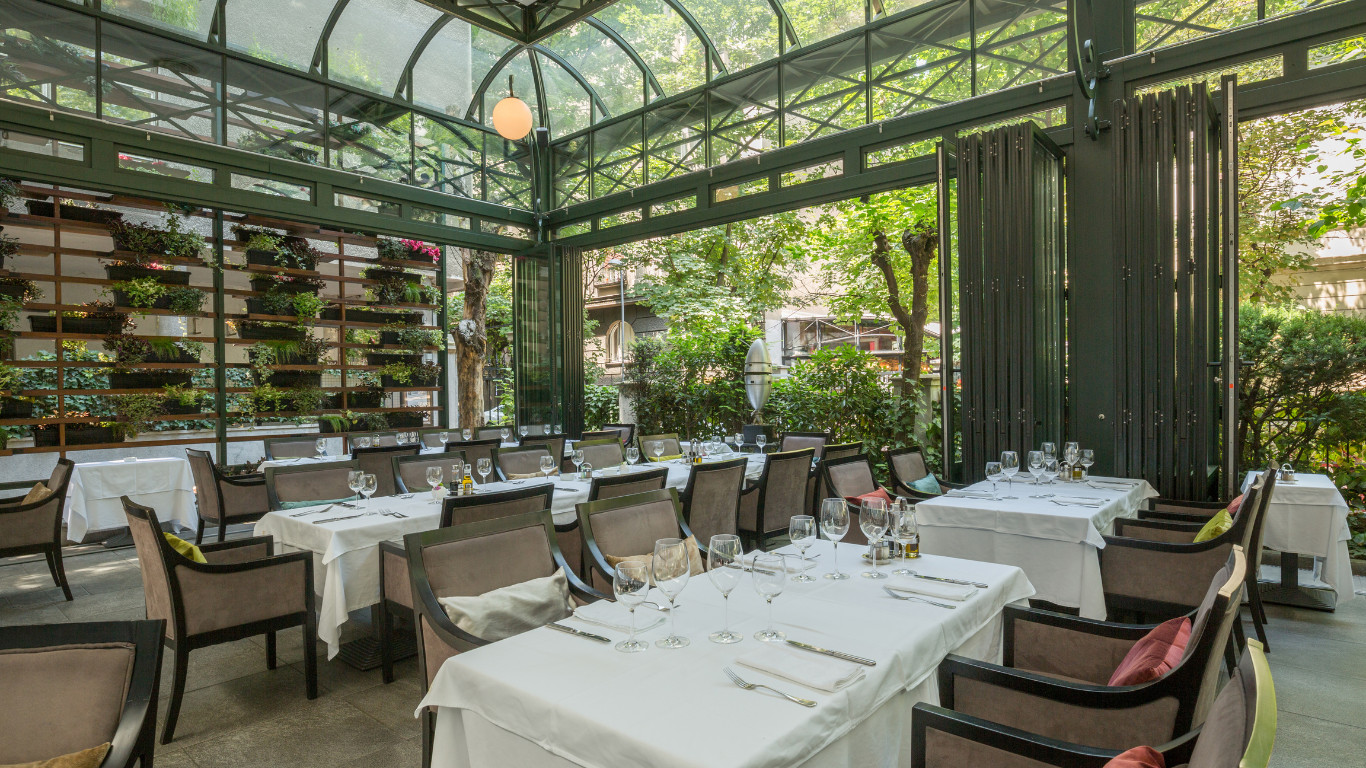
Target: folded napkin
column 822, row 673
column 606, row 613
column 914, row 586
column 793, row 562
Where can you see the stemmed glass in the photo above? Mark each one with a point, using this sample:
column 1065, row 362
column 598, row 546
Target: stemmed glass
column 1088, row 457
column 657, row 448
column 434, row 479
column 466, row 435
column 1050, row 451
column 321, row 446
column 630, row 582
column 362, row 441
column 522, row 430
column 769, row 575
column 994, row 474
column 505, row 433
column 547, row 465
column 671, row 571
column 485, row 466
column 739, row 441
column 835, row 523
column 353, row 480
column 632, row 455
column 1035, row 459
column 444, row 437
column 577, row 458
column 872, row 518
column 905, row 532
column 1050, row 471
column 1070, row 453
column 369, row 484
column 801, row 531
column 761, row 440
column 723, row 555
column 1010, row 464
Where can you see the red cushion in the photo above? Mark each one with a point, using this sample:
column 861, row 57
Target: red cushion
column 1138, row 757
column 878, row 494
column 1234, row 505
column 1155, row 654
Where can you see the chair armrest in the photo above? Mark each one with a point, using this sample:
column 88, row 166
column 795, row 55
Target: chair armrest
column 943, row 738
column 1160, row 504
column 216, row 596
column 1157, row 530
column 239, row 550
column 1067, row 646
column 1175, row 517
column 255, row 478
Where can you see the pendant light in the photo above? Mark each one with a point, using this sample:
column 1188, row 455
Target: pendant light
column 512, row 117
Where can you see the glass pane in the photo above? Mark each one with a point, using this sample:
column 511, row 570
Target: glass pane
column 284, row 33
column 369, row 137
column 158, row 84
column 662, row 39
column 507, row 173
column 523, row 84
column 616, row 158
column 448, row 157
column 47, row 55
column 373, row 40
column 745, row 32
column 191, row 17
column 452, row 66
column 274, row 113
column 570, row 159
column 825, row 91
column 1167, row 22
column 1019, row 41
column 815, row 20
column 676, row 138
column 619, row 83
column 922, row 62
column 744, row 116
column 571, row 113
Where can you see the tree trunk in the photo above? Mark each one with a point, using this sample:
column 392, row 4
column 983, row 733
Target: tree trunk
column 471, row 338
column 921, row 242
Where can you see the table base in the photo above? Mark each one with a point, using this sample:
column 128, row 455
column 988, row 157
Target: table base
column 124, row 538
column 1289, row 591
column 363, row 653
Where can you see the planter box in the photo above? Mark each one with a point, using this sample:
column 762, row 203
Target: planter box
column 406, row 264
column 385, row 358
column 294, row 379
column 260, row 332
column 14, row 408
column 74, row 213
column 11, row 290
column 385, row 273
column 120, row 272
column 76, row 434
column 179, row 357
column 174, row 408
column 96, row 326
column 364, row 399
column 404, row 419
column 261, row 258
column 149, row 379
column 373, row 316
column 389, row 383
column 257, row 307
column 264, row 284
column 121, row 300
column 288, row 358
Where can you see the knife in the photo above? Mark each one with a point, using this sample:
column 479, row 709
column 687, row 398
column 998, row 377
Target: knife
column 580, row 633
column 836, row 654
column 960, row 582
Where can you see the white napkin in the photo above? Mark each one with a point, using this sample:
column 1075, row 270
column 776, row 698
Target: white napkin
column 812, row 670
column 612, row 615
column 793, row 562
column 939, row 589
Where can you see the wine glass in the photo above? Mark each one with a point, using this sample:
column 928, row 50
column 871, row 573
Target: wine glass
column 1050, row 451
column 369, row 484
column 872, row 519
column 906, row 533
column 723, row 554
column 505, row 433
column 1050, row 471
column 769, row 575
column 361, row 441
column 485, row 466
column 801, row 531
column 353, row 480
column 444, row 437
column 522, row 430
column 554, row 429
column 657, row 448
column 1010, row 464
column 834, row 524
column 761, row 440
column 994, row 475
column 320, row 445
column 466, row 435
column 1070, row 453
column 577, row 458
column 739, row 441
column 1088, row 457
column 632, row 455
column 630, row 582
column 434, row 480
column 547, row 465
column 1035, row 459
column 671, row 571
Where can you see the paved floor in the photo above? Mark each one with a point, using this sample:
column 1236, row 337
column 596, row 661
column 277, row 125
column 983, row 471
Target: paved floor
column 238, row 713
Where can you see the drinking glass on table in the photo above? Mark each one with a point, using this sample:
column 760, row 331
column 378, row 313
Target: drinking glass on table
column 554, row 429
column 835, row 524
column 739, row 441
column 906, row 533
column 872, row 519
column 671, row 569
column 361, row 441
column 321, row 446
column 1010, row 464
column 522, row 430
column 994, row 475
column 656, row 448
column 547, row 465
column 801, row 531
column 353, row 480
column 444, row 437
column 466, row 435
column 1050, row 451
column 761, row 440
column 1035, row 461
column 434, row 480
column 1050, row 471
column 723, row 568
column 369, row 484
column 630, row 582
column 1071, row 452
column 505, row 433
column 1088, row 457
column 769, row 575
column 577, row 459
column 485, row 466
column 632, row 455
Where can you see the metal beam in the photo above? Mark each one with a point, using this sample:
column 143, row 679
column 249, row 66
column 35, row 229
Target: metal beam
column 418, row 49
column 477, row 100
column 320, row 51
column 630, row 51
column 574, row 73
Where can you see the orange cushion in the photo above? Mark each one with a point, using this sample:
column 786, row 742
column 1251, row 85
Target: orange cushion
column 878, row 494
column 1234, row 505
column 1138, row 757
column 1155, row 654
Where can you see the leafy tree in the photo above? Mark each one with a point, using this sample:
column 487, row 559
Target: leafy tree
column 481, row 319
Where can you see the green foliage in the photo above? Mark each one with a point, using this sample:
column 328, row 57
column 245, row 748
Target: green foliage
column 402, row 373
column 72, row 378
column 414, row 339
column 1339, row 201
column 263, row 241
column 692, row 383
column 183, row 395
column 8, row 245
column 600, row 406
column 184, row 300
column 141, row 292
column 136, row 413
column 28, row 291
column 9, row 192
column 148, row 242
column 308, row 400
column 307, row 306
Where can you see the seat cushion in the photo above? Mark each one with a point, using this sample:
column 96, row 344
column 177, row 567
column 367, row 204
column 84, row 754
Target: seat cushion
column 39, row 492
column 531, row 475
column 1155, row 654
column 666, row 458
column 695, row 565
column 86, row 758
column 1235, row 505
column 1216, row 527
column 878, row 494
column 928, row 484
column 184, row 547
column 511, row 610
column 1138, row 757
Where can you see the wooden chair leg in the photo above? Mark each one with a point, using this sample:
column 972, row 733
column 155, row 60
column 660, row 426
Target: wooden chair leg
column 182, row 663
column 270, row 650
column 1258, row 615
column 54, row 565
column 199, row 533
column 382, row 621
column 222, row 530
column 311, row 655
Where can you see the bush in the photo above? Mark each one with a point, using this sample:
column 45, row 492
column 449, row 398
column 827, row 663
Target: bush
column 599, row 406
column 691, row 383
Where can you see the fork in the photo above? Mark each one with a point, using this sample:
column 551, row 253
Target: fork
column 391, row 513
column 900, row 596
column 734, row 678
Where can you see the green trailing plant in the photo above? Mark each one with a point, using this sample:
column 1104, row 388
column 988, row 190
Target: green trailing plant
column 184, row 300
column 358, row 339
column 402, row 373
column 148, row 243
column 308, row 400
column 262, row 241
column 307, row 307
column 339, row 422
column 136, row 414
column 413, row 338
column 10, row 378
column 181, row 395
column 276, row 302
column 142, row 292
column 266, row 354
column 304, row 280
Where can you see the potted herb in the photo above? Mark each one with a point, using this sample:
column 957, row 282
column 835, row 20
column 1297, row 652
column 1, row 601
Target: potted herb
column 381, row 317
column 13, row 406
column 427, row 375
column 412, row 338
column 20, row 290
column 279, row 303
column 90, row 433
column 179, row 400
column 395, row 375
column 264, row 283
column 98, row 318
column 387, row 358
column 308, row 400
column 328, row 423
column 262, row 247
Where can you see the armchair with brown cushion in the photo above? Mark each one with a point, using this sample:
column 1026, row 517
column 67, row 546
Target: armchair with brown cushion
column 845, row 478
column 97, row 680
column 294, row 447
column 796, row 441
column 222, row 499
column 484, row 434
column 626, row 431
column 475, row 450
column 1054, row 677
column 816, row 489
column 780, row 494
column 395, row 595
column 669, row 445
column 378, row 462
column 628, row 526
column 907, row 465
column 244, row 590
column 711, row 499
column 1239, row 733
column 602, row 453
column 309, row 482
column 27, row 529
column 552, row 443
column 522, row 462
column 468, row 560
column 601, row 434
column 410, row 472
column 613, row 485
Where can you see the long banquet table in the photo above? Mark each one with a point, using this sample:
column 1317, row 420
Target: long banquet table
column 544, row 698
column 1057, row 545
column 346, row 553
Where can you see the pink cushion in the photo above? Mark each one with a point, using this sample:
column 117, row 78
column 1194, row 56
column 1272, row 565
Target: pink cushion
column 878, row 494
column 1155, row 654
column 1138, row 757
column 1234, row 505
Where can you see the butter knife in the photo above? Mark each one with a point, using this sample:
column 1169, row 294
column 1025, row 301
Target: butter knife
column 580, row 633
column 960, row 582
column 836, row 654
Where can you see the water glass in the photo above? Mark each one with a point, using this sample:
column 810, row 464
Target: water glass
column 872, row 519
column 761, row 440
column 835, row 524
column 444, row 437
column 1050, row 471
column 906, row 533
column 671, row 570
column 369, row 484
column 547, row 465
column 1010, row 464
column 505, row 433
column 1035, row 459
column 1070, row 453
column 522, row 430
column 485, row 466
column 577, row 458
column 434, row 480
column 630, row 582
column 994, row 475
column 656, row 448
column 739, row 441
column 724, row 570
column 801, row 531
column 769, row 576
column 1088, row 457
column 321, row 446
column 467, row 435
column 353, row 480
column 1050, row 451
column 632, row 455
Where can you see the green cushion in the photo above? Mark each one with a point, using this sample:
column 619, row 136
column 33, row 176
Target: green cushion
column 297, row 504
column 1216, row 527
column 185, row 548
column 667, row 458
column 927, row 484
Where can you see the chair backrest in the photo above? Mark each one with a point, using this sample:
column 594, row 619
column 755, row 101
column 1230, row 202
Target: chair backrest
column 602, row 453
column 154, row 561
column 96, row 679
column 552, row 443
column 1252, row 534
column 612, row 486
column 1241, row 728
column 751, row 431
column 626, row 526
column 60, row 477
column 840, row 451
column 627, row 431
column 461, row 510
column 712, row 496
column 309, row 482
column 410, row 472
column 1211, row 629
column 431, row 438
column 532, row 430
column 38, row 522
column 205, row 484
column 782, row 488
column 795, row 441
column 291, row 447
column 494, row 433
column 522, row 462
column 379, row 462
column 601, row 434
column 475, row 450
column 907, row 465
column 849, row 476
column 668, row 442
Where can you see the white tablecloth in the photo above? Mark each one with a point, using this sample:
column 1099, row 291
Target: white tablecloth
column 1056, row 545
column 346, row 553
column 1309, row 516
column 92, row 501
column 544, row 698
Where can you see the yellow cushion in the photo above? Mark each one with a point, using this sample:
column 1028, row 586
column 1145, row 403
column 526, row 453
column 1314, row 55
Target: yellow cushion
column 1216, row 527
column 667, row 458
column 185, row 548
column 531, row 475
column 86, row 758
column 39, row 492
column 695, row 565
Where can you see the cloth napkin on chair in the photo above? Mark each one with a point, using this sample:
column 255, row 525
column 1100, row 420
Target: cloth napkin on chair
column 606, row 613
column 821, row 673
column 939, row 589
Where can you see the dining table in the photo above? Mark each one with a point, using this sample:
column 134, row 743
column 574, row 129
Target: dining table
column 1053, row 531
column 96, row 487
column 1307, row 515
column 550, row 699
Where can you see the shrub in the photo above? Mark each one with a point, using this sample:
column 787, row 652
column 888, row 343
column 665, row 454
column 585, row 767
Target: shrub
column 691, row 383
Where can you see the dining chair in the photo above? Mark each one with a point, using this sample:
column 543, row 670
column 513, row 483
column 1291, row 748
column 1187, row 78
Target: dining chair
column 244, row 590
column 224, row 499
column 294, row 447
column 1055, row 671
column 36, row 527
column 603, row 453
column 795, row 441
column 626, row 431
column 522, row 462
column 320, row 482
column 711, row 498
column 749, row 433
column 816, row 484
column 475, row 450
column 613, row 485
column 670, row 447
column 410, row 472
column 395, row 590
column 1238, row 733
column 98, row 680
column 628, row 525
column 379, row 462
column 601, row 434
column 431, row 438
column 769, row 505
column 553, row 443
column 472, row 559
column 495, row 433
column 847, row 478
column 907, row 465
